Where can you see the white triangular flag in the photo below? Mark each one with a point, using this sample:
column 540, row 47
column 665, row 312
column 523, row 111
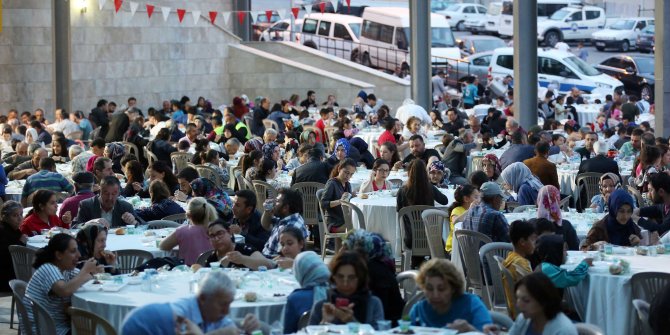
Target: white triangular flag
column 166, row 13
column 334, row 2
column 281, row 13
column 253, row 16
column 196, row 16
column 226, row 17
column 133, row 8
column 101, row 3
column 308, row 9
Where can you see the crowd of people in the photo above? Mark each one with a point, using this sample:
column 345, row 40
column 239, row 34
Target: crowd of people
column 318, row 142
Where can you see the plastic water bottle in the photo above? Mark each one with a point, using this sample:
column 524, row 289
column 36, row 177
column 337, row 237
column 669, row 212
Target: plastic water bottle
column 146, row 282
column 276, row 329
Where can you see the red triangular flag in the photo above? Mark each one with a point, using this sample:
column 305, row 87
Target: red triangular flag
column 150, row 10
column 240, row 16
column 212, row 16
column 180, row 14
column 268, row 14
column 117, row 4
column 322, row 7
column 295, row 11
column 348, row 3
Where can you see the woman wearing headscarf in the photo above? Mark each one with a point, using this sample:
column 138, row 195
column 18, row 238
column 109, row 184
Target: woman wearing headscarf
column 340, row 152
column 31, row 136
column 271, row 150
column 381, row 264
column 438, row 174
column 608, row 183
column 491, row 165
column 203, row 187
column 229, row 132
column 309, row 137
column 617, row 227
column 549, row 207
column 253, row 144
column 115, row 152
column 313, row 276
column 11, row 216
column 91, row 242
column 519, row 178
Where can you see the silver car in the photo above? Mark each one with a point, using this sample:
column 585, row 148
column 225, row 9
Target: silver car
column 474, row 65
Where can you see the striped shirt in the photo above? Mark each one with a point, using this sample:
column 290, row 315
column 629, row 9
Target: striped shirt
column 39, row 290
column 46, row 180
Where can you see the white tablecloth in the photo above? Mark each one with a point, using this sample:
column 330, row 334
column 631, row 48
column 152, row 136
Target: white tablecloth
column 361, row 175
column 114, row 306
column 380, row 215
column 588, row 112
column 604, row 299
column 119, row 242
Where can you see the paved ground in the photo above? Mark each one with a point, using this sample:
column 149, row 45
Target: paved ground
column 5, row 305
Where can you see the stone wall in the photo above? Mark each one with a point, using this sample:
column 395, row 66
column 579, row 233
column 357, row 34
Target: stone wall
column 391, row 89
column 254, row 72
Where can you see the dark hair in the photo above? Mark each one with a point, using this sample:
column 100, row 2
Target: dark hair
column 542, row 148
column 163, row 134
column 47, row 163
column 379, row 162
column 295, row 232
column 248, row 160
column 354, row 259
column 459, row 194
column 86, row 239
column 293, row 199
column 208, row 156
column 98, row 143
column 169, row 179
column 540, row 287
column 649, row 154
column 225, row 224
column 248, row 196
column 549, row 249
column 99, row 163
column 63, row 147
column 188, row 173
column 416, row 137
column 267, row 166
column 520, row 229
column 315, row 153
column 418, row 189
column 389, row 124
column 57, row 243
column 134, row 172
column 543, row 225
column 660, row 181
column 342, row 164
column 395, row 157
column 478, row 178
column 158, row 191
column 127, row 158
column 110, row 181
column 517, row 137
column 40, row 199
column 637, row 132
column 101, row 103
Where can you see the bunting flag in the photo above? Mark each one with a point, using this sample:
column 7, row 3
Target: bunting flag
column 268, row 14
column 226, row 17
column 117, row 5
column 212, row 16
column 281, row 13
column 133, row 8
column 253, row 16
column 334, row 3
column 180, row 14
column 308, row 10
column 150, row 10
column 295, row 11
column 322, row 7
column 240, row 17
column 349, row 4
column 196, row 16
column 101, row 3
column 166, row 13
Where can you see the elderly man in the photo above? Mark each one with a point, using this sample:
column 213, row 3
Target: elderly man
column 107, row 206
column 512, row 126
column 62, row 123
column 28, row 168
column 486, row 217
column 456, row 156
column 15, row 160
column 542, row 167
column 600, row 163
column 209, row 309
column 518, row 151
column 587, row 151
column 270, row 135
column 279, row 213
column 418, row 150
column 45, row 179
column 478, row 129
column 191, row 134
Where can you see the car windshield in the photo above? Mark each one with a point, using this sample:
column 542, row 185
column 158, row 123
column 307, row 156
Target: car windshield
column 486, row 45
column 441, row 37
column 356, row 29
column 623, row 25
column 560, row 14
column 650, row 30
column 453, row 8
column 581, row 66
column 645, row 65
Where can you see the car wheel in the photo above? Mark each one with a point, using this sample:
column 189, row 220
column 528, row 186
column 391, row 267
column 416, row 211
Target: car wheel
column 600, row 48
column 551, row 38
column 366, row 60
column 460, row 26
column 355, row 56
column 624, row 46
column 646, row 90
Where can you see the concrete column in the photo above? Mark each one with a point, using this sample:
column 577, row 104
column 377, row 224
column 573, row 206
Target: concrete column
column 242, row 31
column 525, row 62
column 419, row 20
column 662, row 69
column 62, row 46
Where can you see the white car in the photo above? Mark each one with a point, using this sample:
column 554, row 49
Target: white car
column 281, row 31
column 458, row 13
column 571, row 23
column 622, row 34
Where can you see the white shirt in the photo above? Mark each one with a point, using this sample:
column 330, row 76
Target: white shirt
column 65, row 126
column 409, row 109
column 154, row 131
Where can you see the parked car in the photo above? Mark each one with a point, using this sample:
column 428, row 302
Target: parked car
column 262, row 23
column 621, row 35
column 458, row 13
column 335, row 34
column 487, row 25
column 476, row 65
column 474, row 44
column 635, row 72
column 556, row 67
column 646, row 41
column 545, row 9
column 571, row 23
column 281, row 31
column 438, row 5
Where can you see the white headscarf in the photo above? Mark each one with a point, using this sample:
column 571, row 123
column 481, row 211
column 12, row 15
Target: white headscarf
column 33, row 135
column 517, row 173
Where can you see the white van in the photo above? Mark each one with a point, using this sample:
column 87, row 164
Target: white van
column 556, row 67
column 545, row 8
column 335, row 34
column 385, row 38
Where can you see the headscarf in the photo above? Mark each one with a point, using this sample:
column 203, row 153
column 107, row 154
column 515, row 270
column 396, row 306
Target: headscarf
column 311, row 272
column 86, row 239
column 117, row 150
column 239, row 107
column 161, row 316
column 341, row 143
column 203, row 187
column 372, row 244
column 269, row 150
column 253, row 144
column 234, row 133
column 439, row 166
column 550, row 249
column 548, row 204
column 613, row 177
column 498, row 169
column 33, row 135
column 304, row 136
column 617, row 233
column 518, row 173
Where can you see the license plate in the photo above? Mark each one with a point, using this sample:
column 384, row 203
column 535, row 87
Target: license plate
column 600, row 44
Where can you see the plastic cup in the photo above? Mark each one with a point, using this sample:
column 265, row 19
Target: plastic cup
column 353, row 327
column 609, row 249
column 215, row 265
column 44, row 231
column 383, row 325
column 404, row 325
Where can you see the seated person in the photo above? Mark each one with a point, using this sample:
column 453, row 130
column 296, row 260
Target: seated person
column 418, row 150
column 107, row 205
column 552, row 251
column 446, row 303
column 313, row 276
column 43, row 214
column 608, row 183
column 161, row 204
column 617, row 227
column 192, row 238
column 522, row 182
column 337, row 189
column 83, row 184
column 247, row 220
column 231, row 254
column 281, row 212
column 377, row 182
column 185, row 177
column 523, row 238
column 164, row 321
column 91, row 242
column 292, row 244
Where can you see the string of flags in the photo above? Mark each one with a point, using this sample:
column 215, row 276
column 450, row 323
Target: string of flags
column 213, row 15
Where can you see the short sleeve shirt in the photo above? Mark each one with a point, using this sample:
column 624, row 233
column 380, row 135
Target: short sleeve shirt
column 39, row 290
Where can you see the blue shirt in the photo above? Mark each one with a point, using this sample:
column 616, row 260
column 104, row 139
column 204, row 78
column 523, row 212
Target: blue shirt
column 469, row 94
column 3, row 181
column 86, row 129
column 527, row 195
column 468, row 307
column 46, row 180
column 179, row 117
column 189, row 309
column 563, row 278
column 298, row 302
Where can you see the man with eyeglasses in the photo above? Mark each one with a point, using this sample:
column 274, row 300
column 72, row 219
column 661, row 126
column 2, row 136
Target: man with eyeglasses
column 281, row 212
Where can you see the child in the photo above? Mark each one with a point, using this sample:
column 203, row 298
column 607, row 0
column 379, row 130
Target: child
column 523, row 237
column 551, row 251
